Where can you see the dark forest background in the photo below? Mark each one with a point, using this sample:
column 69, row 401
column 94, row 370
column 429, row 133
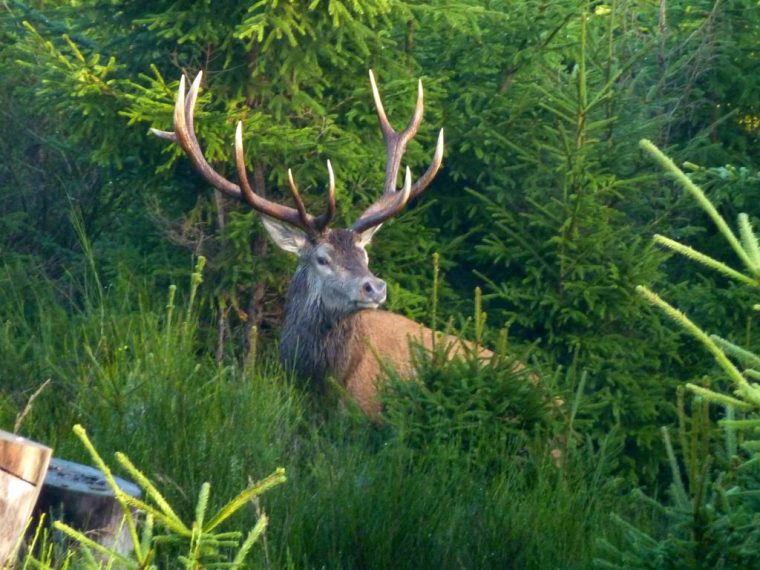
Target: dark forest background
column 545, row 202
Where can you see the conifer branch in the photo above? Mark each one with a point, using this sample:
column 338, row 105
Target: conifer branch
column 742, row 354
column 752, row 374
column 680, row 494
column 151, row 490
column 741, row 424
column 730, row 432
column 120, row 496
column 703, row 201
column 230, row 508
column 749, row 241
column 718, row 398
column 252, row 537
column 711, row 262
column 748, row 392
column 109, row 554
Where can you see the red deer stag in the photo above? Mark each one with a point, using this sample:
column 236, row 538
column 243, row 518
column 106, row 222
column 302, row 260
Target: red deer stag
column 332, row 324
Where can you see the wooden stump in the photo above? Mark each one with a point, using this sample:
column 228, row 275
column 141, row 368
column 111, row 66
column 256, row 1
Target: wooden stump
column 79, row 496
column 23, row 466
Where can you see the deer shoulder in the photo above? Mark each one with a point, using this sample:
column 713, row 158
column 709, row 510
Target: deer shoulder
column 375, row 342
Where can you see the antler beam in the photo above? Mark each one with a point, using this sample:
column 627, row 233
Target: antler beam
column 392, row 202
column 184, row 135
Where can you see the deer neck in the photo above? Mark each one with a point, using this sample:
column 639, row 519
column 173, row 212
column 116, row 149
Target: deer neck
column 313, row 337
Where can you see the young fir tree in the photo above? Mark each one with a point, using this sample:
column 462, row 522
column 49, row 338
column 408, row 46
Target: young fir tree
column 711, row 518
column 538, row 151
column 541, row 131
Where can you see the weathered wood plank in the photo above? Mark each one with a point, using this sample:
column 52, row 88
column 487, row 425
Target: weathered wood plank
column 23, row 467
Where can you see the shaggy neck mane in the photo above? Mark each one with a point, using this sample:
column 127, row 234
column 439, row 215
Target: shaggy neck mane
column 312, row 335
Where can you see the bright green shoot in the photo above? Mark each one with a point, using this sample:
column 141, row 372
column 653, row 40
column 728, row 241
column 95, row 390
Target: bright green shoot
column 747, row 251
column 203, row 543
column 746, row 395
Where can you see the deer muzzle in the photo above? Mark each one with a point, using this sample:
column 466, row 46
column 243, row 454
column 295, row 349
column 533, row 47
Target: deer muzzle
column 372, row 292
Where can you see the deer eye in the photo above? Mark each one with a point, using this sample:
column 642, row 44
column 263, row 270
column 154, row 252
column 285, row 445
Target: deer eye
column 322, row 260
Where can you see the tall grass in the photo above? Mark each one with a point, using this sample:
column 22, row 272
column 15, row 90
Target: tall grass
column 130, row 364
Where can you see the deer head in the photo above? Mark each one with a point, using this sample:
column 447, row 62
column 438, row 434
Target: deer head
column 333, row 277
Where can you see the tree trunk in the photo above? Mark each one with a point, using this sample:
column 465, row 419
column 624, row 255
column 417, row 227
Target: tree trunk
column 23, row 465
column 257, row 292
column 255, row 307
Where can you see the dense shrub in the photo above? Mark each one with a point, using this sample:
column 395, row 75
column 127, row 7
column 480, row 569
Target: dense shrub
column 481, row 410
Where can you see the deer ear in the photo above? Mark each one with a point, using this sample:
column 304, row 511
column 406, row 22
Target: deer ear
column 287, row 237
column 366, row 236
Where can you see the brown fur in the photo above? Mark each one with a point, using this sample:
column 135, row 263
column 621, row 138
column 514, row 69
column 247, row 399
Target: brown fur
column 371, row 339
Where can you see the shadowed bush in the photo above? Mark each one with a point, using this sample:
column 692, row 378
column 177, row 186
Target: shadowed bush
column 475, row 407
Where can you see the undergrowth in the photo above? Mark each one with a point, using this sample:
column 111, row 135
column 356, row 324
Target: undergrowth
column 132, row 367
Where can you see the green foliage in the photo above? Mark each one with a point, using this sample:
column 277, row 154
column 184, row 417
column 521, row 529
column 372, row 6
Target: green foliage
column 135, row 368
column 479, row 409
column 41, row 549
column 541, row 200
column 557, row 235
column 132, row 366
column 746, row 249
column 204, row 545
column 435, row 507
column 712, row 519
column 459, row 401
column 97, row 76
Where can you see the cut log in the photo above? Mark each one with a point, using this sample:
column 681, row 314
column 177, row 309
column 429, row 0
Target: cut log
column 23, row 467
column 79, row 496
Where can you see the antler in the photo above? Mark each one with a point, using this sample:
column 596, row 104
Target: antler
column 392, row 202
column 184, row 135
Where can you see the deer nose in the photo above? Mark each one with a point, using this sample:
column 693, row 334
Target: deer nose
column 373, row 290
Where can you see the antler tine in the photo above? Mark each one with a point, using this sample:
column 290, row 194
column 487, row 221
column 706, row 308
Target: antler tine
column 385, row 208
column 166, row 135
column 306, row 219
column 272, row 209
column 184, row 135
column 385, row 126
column 190, row 100
column 424, row 180
column 186, row 138
column 414, row 122
column 186, row 113
column 323, row 221
column 248, row 193
column 395, row 142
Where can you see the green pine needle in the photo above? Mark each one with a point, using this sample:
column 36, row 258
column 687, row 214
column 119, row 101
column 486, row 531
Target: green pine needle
column 748, row 392
column 276, row 478
column 718, row 398
column 706, row 260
